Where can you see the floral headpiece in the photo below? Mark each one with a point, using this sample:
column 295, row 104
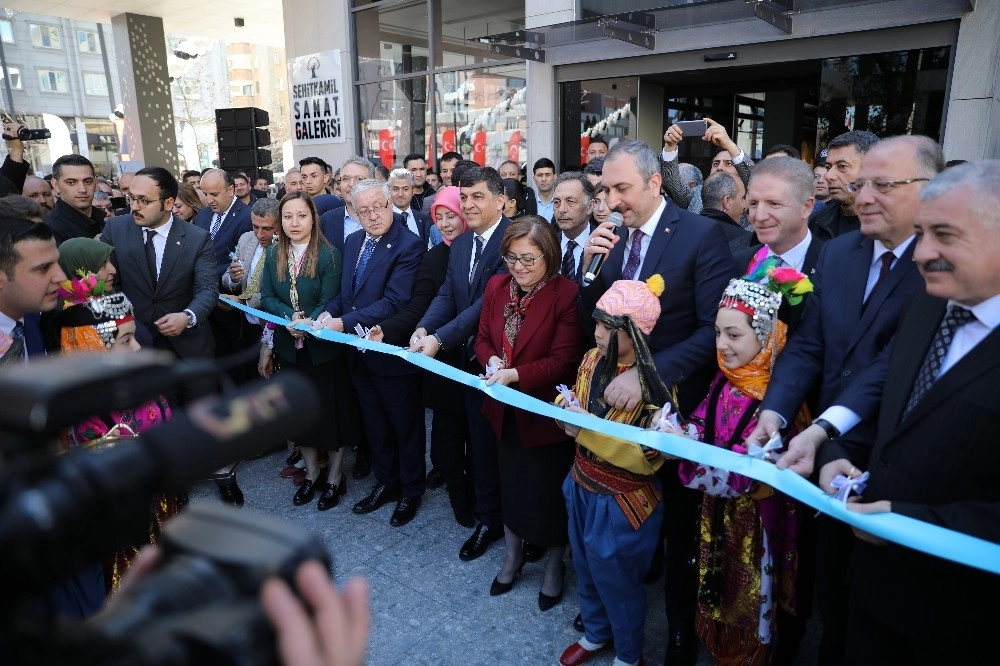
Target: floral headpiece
column 758, row 295
column 89, row 304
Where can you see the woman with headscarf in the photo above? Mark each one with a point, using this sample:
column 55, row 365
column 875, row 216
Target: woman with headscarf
column 443, row 396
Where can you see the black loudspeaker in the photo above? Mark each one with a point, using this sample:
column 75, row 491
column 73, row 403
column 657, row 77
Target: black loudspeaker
column 242, row 138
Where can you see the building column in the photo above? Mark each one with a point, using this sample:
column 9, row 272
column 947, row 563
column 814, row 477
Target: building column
column 972, row 128
column 314, row 26
column 543, row 93
column 141, row 52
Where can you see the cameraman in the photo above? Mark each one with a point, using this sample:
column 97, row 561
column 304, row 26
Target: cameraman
column 14, row 169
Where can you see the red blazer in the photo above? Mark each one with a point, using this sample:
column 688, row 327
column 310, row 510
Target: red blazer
column 547, row 351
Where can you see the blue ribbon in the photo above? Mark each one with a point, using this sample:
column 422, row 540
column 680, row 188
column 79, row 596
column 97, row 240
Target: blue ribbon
column 916, row 534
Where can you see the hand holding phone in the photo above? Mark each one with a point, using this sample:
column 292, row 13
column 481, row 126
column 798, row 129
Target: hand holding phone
column 691, row 129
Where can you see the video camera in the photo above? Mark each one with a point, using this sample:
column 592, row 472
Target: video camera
column 26, row 134
column 61, row 512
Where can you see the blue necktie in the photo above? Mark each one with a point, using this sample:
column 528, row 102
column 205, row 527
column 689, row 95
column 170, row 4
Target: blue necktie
column 366, row 254
column 476, row 257
column 215, row 225
column 15, row 353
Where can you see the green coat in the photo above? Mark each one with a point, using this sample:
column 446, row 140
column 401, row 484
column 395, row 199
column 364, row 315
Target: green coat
column 314, row 294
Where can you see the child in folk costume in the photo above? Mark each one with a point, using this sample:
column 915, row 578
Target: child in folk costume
column 747, row 542
column 612, row 495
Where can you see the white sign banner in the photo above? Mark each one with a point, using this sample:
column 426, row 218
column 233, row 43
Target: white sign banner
column 316, row 103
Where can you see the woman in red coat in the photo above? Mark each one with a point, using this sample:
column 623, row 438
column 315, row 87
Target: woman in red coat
column 530, row 339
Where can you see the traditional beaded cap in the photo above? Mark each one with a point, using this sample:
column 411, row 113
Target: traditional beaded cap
column 755, row 300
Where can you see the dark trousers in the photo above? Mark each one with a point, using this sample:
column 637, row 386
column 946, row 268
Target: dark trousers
column 682, row 512
column 451, row 456
column 485, row 466
column 834, row 547
column 393, row 412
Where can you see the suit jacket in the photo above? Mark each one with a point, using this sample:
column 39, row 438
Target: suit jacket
column 787, row 313
column 430, row 276
column 314, row 293
column 546, row 353
column 327, row 202
column 690, row 252
column 938, row 464
column 454, row 313
column 331, row 223
column 839, row 341
column 424, row 225
column 384, row 287
column 188, row 280
column 246, row 247
column 234, row 225
column 830, row 222
column 738, row 237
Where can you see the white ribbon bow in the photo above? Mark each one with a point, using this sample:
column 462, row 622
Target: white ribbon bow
column 846, row 485
column 764, row 452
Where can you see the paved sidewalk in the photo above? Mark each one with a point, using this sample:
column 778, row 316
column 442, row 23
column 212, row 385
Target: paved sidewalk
column 429, row 607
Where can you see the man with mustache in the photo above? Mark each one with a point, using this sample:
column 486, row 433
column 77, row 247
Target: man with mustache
column 935, row 457
column 862, row 282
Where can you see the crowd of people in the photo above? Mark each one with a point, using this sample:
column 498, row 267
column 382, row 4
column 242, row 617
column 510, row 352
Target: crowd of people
column 837, row 318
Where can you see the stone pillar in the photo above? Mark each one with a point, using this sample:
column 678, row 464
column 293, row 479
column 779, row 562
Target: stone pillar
column 972, row 128
column 543, row 93
column 141, row 51
column 313, row 26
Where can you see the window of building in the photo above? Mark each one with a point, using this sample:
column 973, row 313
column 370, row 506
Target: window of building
column 95, row 84
column 7, row 32
column 52, row 80
column 89, row 42
column 248, row 90
column 15, row 77
column 45, row 36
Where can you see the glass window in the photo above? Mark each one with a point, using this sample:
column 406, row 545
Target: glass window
column 89, row 43
column 52, row 80
column 6, row 32
column 458, row 26
column 95, row 84
column 603, row 107
column 392, row 41
column 248, row 90
column 45, row 36
column 15, row 77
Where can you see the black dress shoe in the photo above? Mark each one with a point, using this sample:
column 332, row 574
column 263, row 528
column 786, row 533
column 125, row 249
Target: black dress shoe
column 406, row 509
column 578, row 623
column 682, row 648
column 464, row 517
column 480, row 540
column 532, row 552
column 294, row 457
column 306, row 492
column 231, row 494
column 379, row 495
column 332, row 494
column 545, row 602
column 498, row 588
column 362, row 465
column 434, row 478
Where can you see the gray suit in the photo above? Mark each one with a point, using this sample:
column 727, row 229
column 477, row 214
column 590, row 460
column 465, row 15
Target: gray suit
column 187, row 281
column 245, row 249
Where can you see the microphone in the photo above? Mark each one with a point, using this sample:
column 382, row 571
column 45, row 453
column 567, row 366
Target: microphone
column 595, row 264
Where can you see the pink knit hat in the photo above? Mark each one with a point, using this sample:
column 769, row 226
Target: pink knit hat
column 449, row 198
column 636, row 299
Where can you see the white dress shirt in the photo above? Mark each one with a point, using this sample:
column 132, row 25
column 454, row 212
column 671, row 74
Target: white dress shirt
column 159, row 241
column 648, row 228
column 580, row 240
column 876, row 266
column 795, row 257
column 486, row 235
column 967, row 337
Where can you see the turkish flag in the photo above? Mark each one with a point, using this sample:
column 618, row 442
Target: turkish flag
column 584, row 144
column 479, row 148
column 386, row 148
column 514, row 147
column 447, row 141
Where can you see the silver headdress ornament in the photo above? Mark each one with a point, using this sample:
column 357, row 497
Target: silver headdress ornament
column 108, row 311
column 755, row 300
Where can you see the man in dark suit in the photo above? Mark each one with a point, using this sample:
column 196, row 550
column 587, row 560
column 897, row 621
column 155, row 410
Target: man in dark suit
column 401, row 193
column 692, row 256
column 780, row 200
column 316, row 175
column 339, row 223
column 573, row 204
column 452, row 321
column 224, row 217
column 844, row 155
column 862, row 282
column 721, row 200
column 935, row 456
column 380, row 267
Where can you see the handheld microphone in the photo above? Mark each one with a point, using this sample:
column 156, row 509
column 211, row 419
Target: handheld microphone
column 595, row 264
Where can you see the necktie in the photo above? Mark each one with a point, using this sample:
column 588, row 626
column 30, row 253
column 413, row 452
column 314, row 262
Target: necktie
column 476, row 257
column 15, row 353
column 216, row 223
column 929, row 369
column 151, row 255
column 883, row 273
column 366, row 254
column 634, row 256
column 781, row 261
column 569, row 261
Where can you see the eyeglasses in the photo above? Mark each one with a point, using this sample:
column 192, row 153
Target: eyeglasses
column 142, row 201
column 377, row 209
column 527, row 262
column 351, row 179
column 881, row 186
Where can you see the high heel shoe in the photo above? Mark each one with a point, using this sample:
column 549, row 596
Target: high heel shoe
column 332, row 493
column 307, row 490
column 545, row 602
column 498, row 588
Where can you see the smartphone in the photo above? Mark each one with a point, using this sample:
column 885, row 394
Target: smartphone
column 693, row 129
column 118, row 202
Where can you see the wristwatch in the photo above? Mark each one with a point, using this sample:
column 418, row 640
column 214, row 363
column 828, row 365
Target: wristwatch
column 192, row 319
column 829, row 428
column 440, row 343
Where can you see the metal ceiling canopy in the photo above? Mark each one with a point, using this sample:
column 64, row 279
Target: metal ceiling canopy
column 525, row 44
column 637, row 28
